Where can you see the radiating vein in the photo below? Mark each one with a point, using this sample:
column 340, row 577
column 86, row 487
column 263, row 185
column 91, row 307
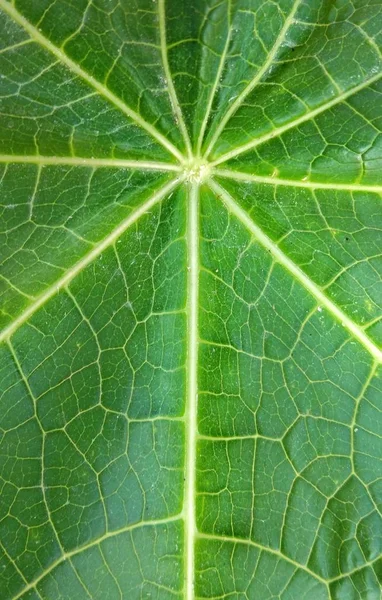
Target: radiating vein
column 248, row 89
column 300, row 276
column 142, row 165
column 96, row 542
column 99, row 87
column 296, row 122
column 192, row 391
column 170, row 84
column 216, row 83
column 88, row 258
column 313, row 185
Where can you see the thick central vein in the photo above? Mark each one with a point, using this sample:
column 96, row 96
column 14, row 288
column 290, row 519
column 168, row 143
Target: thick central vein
column 94, row 83
column 192, row 391
column 87, row 259
column 300, row 276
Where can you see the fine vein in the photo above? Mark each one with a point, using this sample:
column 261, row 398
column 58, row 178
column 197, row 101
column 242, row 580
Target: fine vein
column 101, row 89
column 236, row 540
column 144, row 165
column 281, row 258
column 248, row 89
column 88, row 258
column 296, row 122
column 170, row 84
column 193, row 283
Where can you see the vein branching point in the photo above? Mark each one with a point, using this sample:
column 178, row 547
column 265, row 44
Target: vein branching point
column 197, row 170
column 190, row 368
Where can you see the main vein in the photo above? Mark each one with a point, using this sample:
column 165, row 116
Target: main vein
column 141, row 165
column 99, row 87
column 170, row 84
column 248, row 89
column 296, row 122
column 281, row 258
column 192, row 391
column 88, row 258
column 216, row 83
column 312, row 185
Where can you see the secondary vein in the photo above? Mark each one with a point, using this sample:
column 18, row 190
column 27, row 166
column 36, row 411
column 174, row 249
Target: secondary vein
column 296, row 122
column 216, row 82
column 284, row 260
column 248, row 89
column 96, row 542
column 99, row 87
column 170, row 84
column 312, row 185
column 88, row 258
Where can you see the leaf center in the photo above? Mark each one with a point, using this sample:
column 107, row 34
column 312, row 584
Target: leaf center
column 197, row 170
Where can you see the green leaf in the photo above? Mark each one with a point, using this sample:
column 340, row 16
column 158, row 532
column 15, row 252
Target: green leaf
column 191, row 289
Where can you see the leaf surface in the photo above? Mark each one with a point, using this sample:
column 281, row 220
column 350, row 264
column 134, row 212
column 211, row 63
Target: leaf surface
column 191, row 382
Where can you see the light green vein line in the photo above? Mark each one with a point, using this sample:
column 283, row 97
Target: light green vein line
column 306, row 117
column 313, row 185
column 236, row 540
column 248, row 89
column 88, row 258
column 366, row 564
column 309, row 285
column 144, row 165
column 192, row 391
column 170, row 84
column 215, row 85
column 109, row 534
column 99, row 87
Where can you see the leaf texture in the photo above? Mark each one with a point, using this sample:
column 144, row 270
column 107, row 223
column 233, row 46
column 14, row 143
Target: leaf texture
column 191, row 291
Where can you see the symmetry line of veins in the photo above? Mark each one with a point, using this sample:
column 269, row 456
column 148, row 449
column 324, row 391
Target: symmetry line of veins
column 142, row 165
column 200, row 535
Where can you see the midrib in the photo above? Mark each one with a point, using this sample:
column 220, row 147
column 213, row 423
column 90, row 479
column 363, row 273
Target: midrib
column 191, row 414
column 299, row 275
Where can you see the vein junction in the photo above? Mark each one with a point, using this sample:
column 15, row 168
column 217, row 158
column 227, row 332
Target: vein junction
column 220, row 341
